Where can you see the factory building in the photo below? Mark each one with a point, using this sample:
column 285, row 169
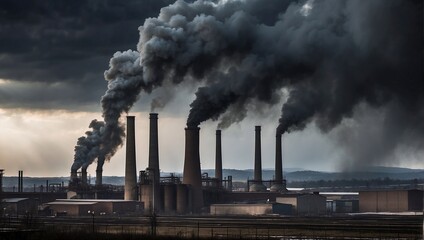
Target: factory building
column 305, row 204
column 196, row 192
column 391, row 200
column 251, row 209
column 86, row 207
column 18, row 206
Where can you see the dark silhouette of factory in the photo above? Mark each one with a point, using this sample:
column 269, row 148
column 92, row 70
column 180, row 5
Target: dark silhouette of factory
column 195, row 192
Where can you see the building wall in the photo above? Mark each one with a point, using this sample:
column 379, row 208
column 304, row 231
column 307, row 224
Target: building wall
column 231, row 197
column 146, row 197
column 368, row 201
column 390, row 201
column 22, row 207
column 288, row 200
column 415, row 200
column 125, row 207
column 71, row 210
column 306, row 204
column 311, row 204
column 346, row 206
column 241, row 209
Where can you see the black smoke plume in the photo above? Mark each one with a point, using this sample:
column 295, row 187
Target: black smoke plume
column 330, row 55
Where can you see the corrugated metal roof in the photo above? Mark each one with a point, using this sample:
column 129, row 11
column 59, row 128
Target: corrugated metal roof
column 71, row 203
column 93, row 200
column 13, row 200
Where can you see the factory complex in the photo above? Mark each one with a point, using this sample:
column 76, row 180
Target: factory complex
column 195, row 193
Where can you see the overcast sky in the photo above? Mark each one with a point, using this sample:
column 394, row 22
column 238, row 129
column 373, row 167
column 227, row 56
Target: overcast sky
column 53, row 55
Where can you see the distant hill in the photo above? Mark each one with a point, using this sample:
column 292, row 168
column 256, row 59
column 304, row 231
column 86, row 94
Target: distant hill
column 242, row 175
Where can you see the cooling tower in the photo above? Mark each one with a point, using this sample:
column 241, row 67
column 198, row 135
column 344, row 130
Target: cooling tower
column 192, row 175
column 278, row 186
column 257, row 185
column 153, row 167
column 130, row 162
column 218, row 158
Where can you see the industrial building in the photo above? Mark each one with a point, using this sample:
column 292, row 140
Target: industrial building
column 391, row 200
column 195, row 193
column 18, row 206
column 85, row 207
column 305, row 204
column 255, row 209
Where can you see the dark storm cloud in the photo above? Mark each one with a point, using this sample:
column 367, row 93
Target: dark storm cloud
column 67, row 43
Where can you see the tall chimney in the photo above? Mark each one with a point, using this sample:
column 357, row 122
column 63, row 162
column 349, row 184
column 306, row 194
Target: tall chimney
column 20, row 181
column 99, row 177
column 1, row 180
column 74, row 176
column 192, row 174
column 218, row 158
column 278, row 185
column 257, row 186
column 154, row 161
column 130, row 163
column 84, row 174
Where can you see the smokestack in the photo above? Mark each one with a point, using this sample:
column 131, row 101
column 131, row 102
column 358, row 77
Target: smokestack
column 130, row 163
column 257, row 186
column 1, row 180
column 74, row 176
column 154, row 159
column 192, row 174
column 20, row 181
column 218, row 158
column 84, row 174
column 258, row 154
column 278, row 185
column 99, row 176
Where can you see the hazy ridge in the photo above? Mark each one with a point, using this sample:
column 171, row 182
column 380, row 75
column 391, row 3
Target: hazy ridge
column 291, row 175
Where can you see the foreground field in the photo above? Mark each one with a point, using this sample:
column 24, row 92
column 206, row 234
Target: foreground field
column 172, row 227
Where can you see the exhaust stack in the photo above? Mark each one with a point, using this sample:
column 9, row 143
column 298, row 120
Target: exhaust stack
column 20, row 181
column 218, row 158
column 154, row 171
column 279, row 185
column 84, row 175
column 130, row 162
column 1, row 180
column 99, row 177
column 257, row 185
column 192, row 175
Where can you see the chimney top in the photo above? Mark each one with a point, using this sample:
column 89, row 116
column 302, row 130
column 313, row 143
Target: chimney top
column 218, row 132
column 192, row 128
column 129, row 117
column 257, row 128
column 153, row 115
